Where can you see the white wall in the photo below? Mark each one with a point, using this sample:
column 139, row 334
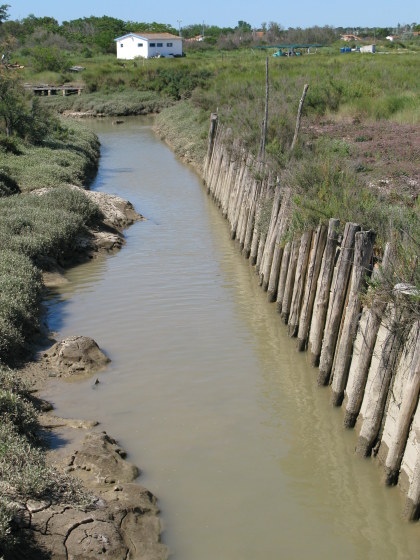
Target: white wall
column 132, row 47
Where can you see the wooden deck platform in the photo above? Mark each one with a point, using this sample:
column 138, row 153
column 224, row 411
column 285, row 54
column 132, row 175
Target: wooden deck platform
column 45, row 89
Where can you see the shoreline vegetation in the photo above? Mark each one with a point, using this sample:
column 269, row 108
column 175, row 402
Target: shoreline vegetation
column 357, row 159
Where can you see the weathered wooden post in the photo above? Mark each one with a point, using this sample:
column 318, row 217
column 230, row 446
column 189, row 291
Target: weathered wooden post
column 336, row 303
column 299, row 115
column 364, row 241
column 323, row 291
column 256, row 234
column 282, row 221
column 384, row 359
column 299, row 283
column 290, row 280
column 283, row 275
column 267, row 257
column 250, row 226
column 315, row 259
column 412, row 505
column 214, row 119
column 364, row 344
column 405, row 410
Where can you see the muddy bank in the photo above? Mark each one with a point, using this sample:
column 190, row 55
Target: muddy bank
column 120, row 519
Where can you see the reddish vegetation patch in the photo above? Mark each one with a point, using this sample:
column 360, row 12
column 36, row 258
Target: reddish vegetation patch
column 386, row 154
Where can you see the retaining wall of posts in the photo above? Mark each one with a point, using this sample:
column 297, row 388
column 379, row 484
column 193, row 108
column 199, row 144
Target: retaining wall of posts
column 317, row 280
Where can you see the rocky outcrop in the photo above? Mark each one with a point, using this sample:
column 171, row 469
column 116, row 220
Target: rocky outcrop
column 118, row 213
column 120, row 522
column 75, row 354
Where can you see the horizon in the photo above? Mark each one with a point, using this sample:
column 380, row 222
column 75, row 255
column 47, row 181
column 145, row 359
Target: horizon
column 376, row 14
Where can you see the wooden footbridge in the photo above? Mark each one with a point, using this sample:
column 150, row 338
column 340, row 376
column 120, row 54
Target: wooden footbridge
column 45, row 89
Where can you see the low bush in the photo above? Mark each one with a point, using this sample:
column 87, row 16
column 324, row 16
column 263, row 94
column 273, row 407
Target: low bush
column 8, row 186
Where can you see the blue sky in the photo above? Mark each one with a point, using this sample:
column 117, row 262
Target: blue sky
column 302, row 13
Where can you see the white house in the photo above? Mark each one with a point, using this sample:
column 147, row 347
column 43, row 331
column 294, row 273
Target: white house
column 148, row 45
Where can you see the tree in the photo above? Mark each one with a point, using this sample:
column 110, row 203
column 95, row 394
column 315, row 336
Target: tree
column 3, row 12
column 12, row 103
column 244, row 26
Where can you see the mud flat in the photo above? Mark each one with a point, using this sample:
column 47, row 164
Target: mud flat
column 121, row 519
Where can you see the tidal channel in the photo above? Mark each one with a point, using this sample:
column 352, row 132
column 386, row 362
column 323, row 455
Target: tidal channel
column 205, row 390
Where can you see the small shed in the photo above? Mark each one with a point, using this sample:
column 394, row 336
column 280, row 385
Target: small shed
column 368, row 49
column 148, row 45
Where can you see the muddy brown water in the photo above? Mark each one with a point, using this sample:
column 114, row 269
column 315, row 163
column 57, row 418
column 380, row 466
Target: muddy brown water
column 205, row 389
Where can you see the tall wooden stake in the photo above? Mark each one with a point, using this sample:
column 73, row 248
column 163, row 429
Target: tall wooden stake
column 299, row 115
column 265, row 122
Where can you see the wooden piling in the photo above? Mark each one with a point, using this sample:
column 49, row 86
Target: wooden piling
column 290, row 280
column 387, row 347
column 282, row 222
column 283, row 275
column 336, row 302
column 256, row 234
column 323, row 291
column 404, row 409
column 364, row 344
column 269, row 246
column 250, row 226
column 210, row 145
column 364, row 241
column 299, row 283
column 317, row 250
column 412, row 505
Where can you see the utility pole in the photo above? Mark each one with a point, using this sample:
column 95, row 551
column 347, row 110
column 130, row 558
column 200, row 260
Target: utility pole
column 179, row 26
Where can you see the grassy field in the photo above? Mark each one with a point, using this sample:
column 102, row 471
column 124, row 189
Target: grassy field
column 358, row 156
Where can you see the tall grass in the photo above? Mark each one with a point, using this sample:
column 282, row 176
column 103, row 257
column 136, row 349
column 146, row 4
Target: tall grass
column 185, row 129
column 129, row 102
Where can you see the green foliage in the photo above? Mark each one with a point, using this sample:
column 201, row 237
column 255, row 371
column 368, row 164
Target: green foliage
column 20, row 293
column 44, row 225
column 128, row 102
column 50, row 58
column 67, row 156
column 7, row 185
column 33, row 226
column 185, row 128
column 4, row 12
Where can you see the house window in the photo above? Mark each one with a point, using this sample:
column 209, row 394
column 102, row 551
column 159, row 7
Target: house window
column 153, row 44
column 139, row 44
column 169, row 44
column 121, row 45
column 159, row 44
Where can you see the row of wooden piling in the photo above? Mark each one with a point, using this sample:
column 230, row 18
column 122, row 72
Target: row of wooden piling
column 315, row 280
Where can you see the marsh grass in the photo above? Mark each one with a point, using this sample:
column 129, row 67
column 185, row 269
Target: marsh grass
column 32, row 227
column 185, row 129
column 70, row 157
column 130, row 102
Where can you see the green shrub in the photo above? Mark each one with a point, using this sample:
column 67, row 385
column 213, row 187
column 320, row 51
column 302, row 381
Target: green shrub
column 20, row 293
column 7, row 185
